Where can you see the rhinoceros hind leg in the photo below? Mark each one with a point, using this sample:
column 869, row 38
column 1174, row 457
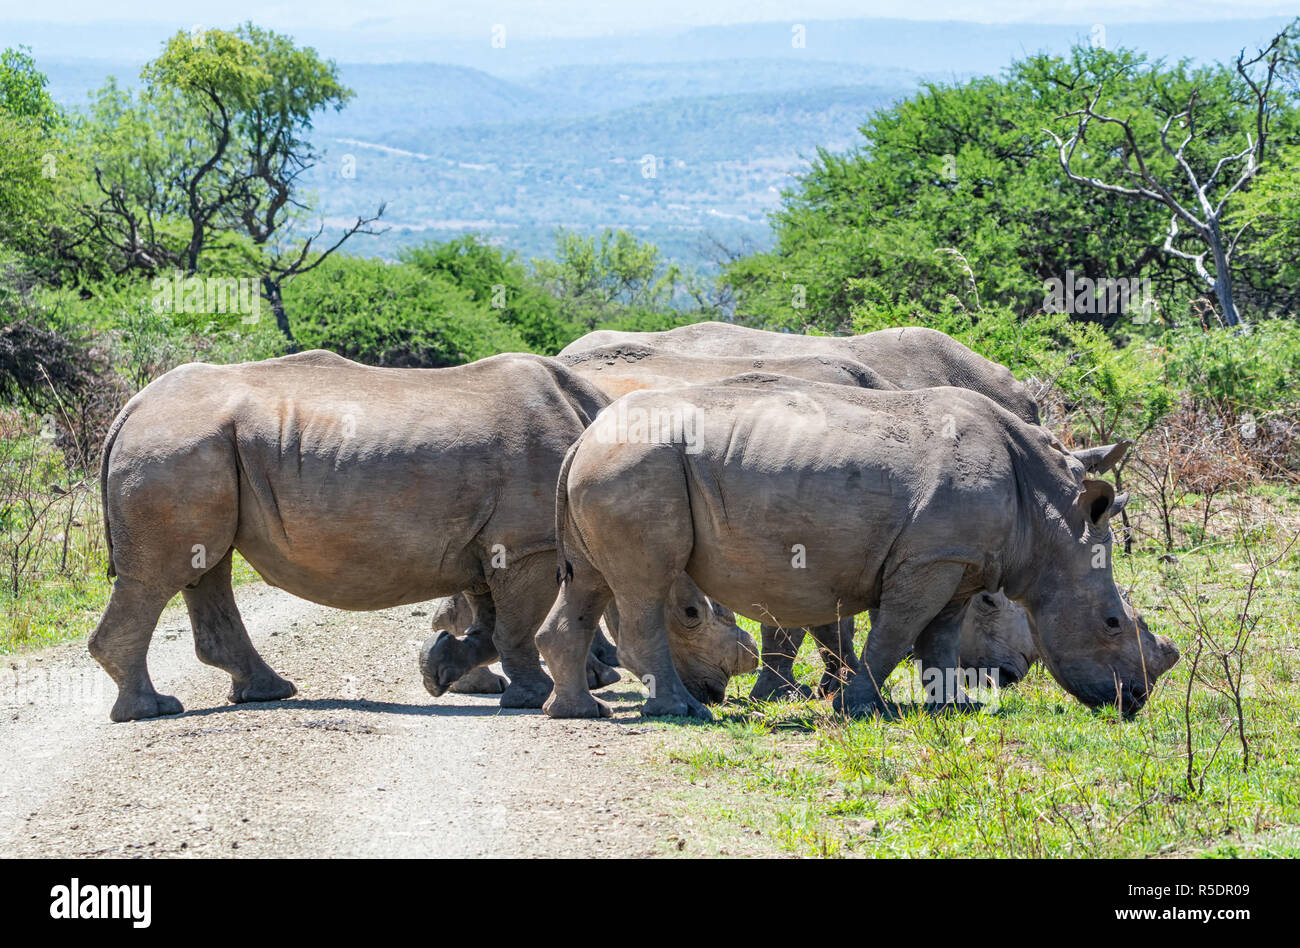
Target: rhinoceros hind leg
column 479, row 681
column 221, row 640
column 564, row 640
column 600, row 675
column 835, row 644
column 120, row 643
column 523, row 594
column 916, row 597
column 776, row 678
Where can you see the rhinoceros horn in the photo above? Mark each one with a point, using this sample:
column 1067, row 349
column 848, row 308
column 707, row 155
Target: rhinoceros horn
column 1103, row 458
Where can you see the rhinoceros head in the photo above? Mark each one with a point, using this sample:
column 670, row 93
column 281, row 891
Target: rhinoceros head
column 995, row 639
column 1090, row 638
column 707, row 645
column 453, row 613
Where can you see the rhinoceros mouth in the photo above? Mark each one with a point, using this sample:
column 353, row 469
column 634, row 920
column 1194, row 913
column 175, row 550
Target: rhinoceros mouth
column 1008, row 675
column 706, row 691
column 1129, row 699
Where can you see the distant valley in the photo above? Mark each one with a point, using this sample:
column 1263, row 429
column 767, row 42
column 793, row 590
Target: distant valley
column 686, row 139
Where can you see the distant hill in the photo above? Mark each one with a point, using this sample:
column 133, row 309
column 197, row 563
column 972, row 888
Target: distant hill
column 716, row 166
column 514, row 142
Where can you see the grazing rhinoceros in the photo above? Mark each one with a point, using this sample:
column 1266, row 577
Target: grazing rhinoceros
column 624, row 367
column 351, row 486
column 910, row 357
column 808, row 502
column 710, row 652
column 995, row 639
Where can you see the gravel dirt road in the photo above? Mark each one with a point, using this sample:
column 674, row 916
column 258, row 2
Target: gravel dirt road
column 363, row 762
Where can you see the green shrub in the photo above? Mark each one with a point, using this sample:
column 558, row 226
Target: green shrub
column 496, row 279
column 393, row 314
column 1251, row 371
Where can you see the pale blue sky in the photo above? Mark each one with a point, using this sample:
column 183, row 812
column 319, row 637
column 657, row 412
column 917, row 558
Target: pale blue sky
column 540, row 18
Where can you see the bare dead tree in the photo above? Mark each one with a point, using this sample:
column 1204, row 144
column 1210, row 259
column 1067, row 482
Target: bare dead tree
column 284, row 266
column 1203, row 216
column 129, row 228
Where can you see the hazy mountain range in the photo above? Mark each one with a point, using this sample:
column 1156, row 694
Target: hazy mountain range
column 685, row 137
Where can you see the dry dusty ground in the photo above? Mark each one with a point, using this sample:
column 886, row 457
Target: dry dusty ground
column 361, row 763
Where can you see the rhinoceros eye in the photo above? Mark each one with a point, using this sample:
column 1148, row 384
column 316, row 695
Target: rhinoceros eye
column 988, row 600
column 692, row 612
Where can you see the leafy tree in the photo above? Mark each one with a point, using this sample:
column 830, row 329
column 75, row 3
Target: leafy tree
column 394, row 314
column 598, row 277
column 1271, row 212
column 36, row 168
column 223, row 118
column 23, row 90
column 1194, row 184
column 957, row 198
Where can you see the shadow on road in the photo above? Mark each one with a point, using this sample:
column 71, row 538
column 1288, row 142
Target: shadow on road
column 361, row 704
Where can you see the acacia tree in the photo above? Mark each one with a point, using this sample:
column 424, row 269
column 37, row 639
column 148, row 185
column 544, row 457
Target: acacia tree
column 1198, row 202
column 218, row 142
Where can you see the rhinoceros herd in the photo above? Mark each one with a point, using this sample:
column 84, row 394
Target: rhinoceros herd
column 668, row 481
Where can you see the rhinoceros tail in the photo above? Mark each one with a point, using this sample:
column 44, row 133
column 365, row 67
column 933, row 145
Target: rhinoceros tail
column 109, row 439
column 563, row 568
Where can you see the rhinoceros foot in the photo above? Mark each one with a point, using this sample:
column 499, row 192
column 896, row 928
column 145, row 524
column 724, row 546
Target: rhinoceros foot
column 525, row 694
column 676, row 706
column 600, row 675
column 830, row 685
column 953, row 707
column 270, row 687
column 129, row 707
column 576, row 706
column 480, row 681
column 773, row 687
column 859, row 699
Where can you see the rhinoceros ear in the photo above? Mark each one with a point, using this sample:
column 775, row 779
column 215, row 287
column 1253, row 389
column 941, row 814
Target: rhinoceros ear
column 1101, row 459
column 1118, row 504
column 1096, row 500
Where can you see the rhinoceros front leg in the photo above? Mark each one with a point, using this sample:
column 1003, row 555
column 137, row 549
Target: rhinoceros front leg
column 564, row 640
column 120, row 643
column 602, row 648
column 776, row 678
column 221, row 640
column 938, row 649
column 523, row 594
column 835, row 644
column 915, row 597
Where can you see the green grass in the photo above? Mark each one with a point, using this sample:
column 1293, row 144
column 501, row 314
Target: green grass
column 1043, row 776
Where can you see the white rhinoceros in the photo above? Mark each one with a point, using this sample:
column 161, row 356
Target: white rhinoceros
column 911, row 357
column 354, row 487
column 807, row 502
